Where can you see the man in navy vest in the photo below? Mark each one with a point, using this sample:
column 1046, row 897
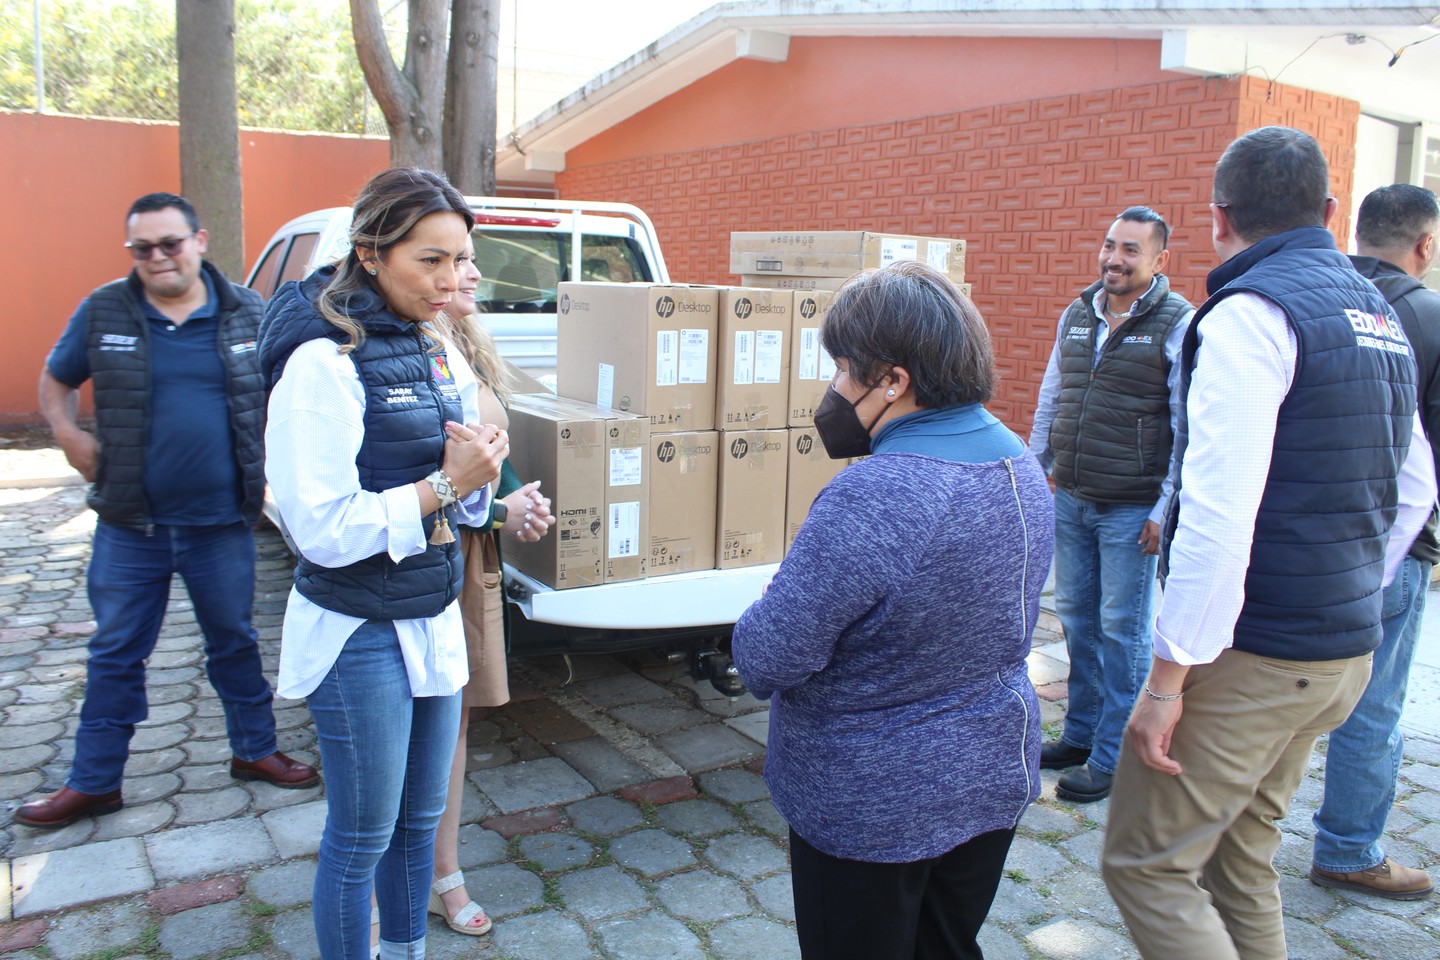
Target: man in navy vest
column 1395, row 234
column 1103, row 429
column 1299, row 406
column 177, row 478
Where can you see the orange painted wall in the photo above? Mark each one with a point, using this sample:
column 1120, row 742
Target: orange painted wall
column 854, row 81
column 67, row 182
column 1030, row 184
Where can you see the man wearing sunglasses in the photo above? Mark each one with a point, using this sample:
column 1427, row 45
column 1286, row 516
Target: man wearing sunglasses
column 176, row 468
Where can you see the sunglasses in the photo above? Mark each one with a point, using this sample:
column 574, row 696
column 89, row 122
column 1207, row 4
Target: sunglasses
column 141, row 250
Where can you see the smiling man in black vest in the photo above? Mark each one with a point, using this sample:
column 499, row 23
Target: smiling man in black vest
column 1103, row 428
column 177, row 479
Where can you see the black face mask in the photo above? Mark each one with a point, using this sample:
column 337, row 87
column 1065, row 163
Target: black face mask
column 839, row 426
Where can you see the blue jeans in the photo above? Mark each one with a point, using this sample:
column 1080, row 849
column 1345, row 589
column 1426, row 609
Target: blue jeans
column 1104, row 596
column 387, row 759
column 1363, row 758
column 129, row 587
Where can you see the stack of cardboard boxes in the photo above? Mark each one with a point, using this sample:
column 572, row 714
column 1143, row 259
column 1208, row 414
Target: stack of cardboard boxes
column 683, row 435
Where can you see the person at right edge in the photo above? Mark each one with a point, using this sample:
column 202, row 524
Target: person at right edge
column 1292, row 477
column 1103, row 427
column 1395, row 234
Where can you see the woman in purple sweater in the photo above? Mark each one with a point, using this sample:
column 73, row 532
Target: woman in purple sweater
column 904, row 731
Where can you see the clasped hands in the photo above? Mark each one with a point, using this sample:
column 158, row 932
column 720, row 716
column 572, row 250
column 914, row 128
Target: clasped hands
column 473, row 454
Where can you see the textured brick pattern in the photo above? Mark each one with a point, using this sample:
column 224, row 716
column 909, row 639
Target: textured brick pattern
column 1030, row 185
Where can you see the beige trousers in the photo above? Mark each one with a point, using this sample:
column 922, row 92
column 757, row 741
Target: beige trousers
column 1189, row 859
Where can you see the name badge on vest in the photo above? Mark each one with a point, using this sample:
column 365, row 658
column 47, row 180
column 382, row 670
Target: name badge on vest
column 442, row 375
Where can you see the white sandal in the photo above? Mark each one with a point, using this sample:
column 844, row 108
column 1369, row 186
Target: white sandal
column 465, row 919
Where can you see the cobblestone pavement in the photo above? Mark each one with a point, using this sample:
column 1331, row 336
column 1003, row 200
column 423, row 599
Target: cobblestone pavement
column 619, row 816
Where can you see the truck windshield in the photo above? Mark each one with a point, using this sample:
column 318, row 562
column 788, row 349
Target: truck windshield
column 522, row 269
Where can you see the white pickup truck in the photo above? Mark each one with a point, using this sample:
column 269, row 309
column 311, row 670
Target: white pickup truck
column 524, row 249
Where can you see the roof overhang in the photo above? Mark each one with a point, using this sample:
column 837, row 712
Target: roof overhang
column 1317, row 43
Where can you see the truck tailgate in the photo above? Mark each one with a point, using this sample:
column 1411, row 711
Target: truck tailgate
column 697, row 599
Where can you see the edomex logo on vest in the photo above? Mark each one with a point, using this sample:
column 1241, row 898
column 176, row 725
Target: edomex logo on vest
column 1370, row 328
column 743, row 308
column 807, row 308
column 665, row 452
column 738, row 448
column 665, row 307
column 804, row 444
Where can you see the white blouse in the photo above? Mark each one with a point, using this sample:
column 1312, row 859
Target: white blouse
column 314, row 431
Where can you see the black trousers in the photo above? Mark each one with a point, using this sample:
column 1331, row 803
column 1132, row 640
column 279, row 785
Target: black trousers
column 926, row 910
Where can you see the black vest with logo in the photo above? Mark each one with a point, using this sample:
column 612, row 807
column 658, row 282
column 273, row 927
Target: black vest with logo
column 1313, row 587
column 1111, row 436
column 115, row 314
column 405, row 413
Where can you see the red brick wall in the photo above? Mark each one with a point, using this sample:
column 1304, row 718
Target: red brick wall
column 1031, row 186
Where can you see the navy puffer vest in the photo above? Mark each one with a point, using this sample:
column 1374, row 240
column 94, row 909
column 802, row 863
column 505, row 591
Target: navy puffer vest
column 405, row 414
column 116, row 313
column 1313, row 588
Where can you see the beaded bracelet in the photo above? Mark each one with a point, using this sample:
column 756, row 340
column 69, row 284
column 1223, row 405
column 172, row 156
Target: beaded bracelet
column 1162, row 697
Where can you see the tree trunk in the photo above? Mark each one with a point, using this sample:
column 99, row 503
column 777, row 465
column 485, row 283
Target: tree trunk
column 470, row 108
column 411, row 98
column 209, row 126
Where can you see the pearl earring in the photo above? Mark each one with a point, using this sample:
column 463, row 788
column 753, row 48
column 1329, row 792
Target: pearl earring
column 890, row 393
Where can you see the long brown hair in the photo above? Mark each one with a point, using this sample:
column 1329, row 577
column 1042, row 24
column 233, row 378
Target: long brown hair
column 386, row 210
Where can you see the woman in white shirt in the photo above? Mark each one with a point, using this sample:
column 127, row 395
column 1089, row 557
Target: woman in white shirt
column 375, row 456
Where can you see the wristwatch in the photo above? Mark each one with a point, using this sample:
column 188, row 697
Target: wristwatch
column 499, row 513
column 444, row 488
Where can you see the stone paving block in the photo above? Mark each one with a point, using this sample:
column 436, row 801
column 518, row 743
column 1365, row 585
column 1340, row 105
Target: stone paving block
column 600, row 763
column 702, row 896
column 1086, row 848
column 657, row 792
column 754, row 938
column 1045, row 818
column 206, row 930
column 697, row 818
column 505, row 889
column 1045, row 669
column 1020, row 903
column 27, row 735
column 151, row 762
column 293, row 934
column 83, row 932
column 192, row 808
column 657, row 716
column 1307, row 901
column 136, row 821
column 734, row 786
column 533, row 783
column 160, row 786
column 727, row 708
column 479, row 847
column 651, row 936
column 762, row 813
column 707, row 747
column 546, row 721
column 22, row 936
column 188, row 896
column 1383, row 936
column 745, row 856
column 777, row 895
column 1077, row 892
column 221, row 847
column 619, row 688
column 296, row 831
column 1309, row 941
column 556, row 851
column 541, row 936
column 266, row 796
column 1068, row 939
column 44, row 882
column 211, row 776
column 601, row 892
column 652, row 852
column 519, row 824
column 284, row 886
column 999, row 945
column 31, row 841
column 1033, row 859
column 604, row 816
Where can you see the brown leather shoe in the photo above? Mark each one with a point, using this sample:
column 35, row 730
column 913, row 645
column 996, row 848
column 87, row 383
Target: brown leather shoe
column 277, row 769
column 65, row 806
column 1389, row 880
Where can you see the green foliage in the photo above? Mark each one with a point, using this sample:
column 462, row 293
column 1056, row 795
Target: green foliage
column 295, row 62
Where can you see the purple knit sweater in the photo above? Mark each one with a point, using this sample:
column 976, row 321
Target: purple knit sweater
column 893, row 639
